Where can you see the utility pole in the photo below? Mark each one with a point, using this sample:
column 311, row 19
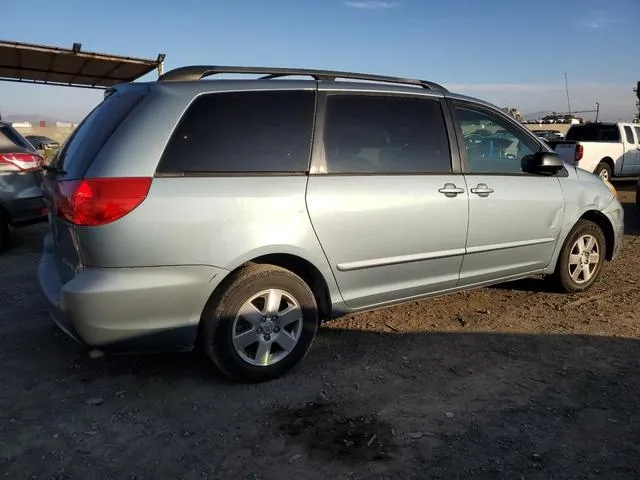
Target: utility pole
column 597, row 111
column 637, row 92
column 566, row 86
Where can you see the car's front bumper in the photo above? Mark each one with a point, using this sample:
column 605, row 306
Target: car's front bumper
column 129, row 309
column 615, row 214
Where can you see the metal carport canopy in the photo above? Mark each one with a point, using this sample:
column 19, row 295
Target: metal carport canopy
column 41, row 64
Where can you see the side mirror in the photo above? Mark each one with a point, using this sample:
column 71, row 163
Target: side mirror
column 542, row 162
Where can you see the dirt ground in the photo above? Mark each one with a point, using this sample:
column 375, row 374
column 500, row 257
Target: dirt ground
column 508, row 382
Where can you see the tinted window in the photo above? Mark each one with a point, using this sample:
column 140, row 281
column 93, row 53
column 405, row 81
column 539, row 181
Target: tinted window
column 637, row 129
column 365, row 133
column 594, row 133
column 493, row 144
column 243, row 132
column 629, row 134
column 89, row 137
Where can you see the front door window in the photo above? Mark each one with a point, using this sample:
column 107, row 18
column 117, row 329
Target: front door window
column 494, row 145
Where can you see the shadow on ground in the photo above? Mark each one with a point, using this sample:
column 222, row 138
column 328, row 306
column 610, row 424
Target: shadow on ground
column 361, row 405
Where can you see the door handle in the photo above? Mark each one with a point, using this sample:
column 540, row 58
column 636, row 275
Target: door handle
column 450, row 190
column 482, row 190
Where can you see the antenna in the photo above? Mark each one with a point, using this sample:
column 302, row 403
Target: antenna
column 566, row 86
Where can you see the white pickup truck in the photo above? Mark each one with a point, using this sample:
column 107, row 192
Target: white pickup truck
column 606, row 149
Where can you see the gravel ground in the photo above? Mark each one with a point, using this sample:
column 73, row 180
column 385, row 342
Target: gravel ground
column 507, row 382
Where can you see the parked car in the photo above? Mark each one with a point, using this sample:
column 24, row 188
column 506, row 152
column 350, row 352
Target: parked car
column 256, row 209
column 607, row 149
column 549, row 134
column 21, row 201
column 41, row 142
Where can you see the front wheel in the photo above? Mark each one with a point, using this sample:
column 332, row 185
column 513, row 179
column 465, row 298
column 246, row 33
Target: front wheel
column 261, row 325
column 581, row 258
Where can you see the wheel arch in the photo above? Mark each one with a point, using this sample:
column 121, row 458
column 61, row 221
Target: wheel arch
column 605, row 225
column 319, row 278
column 305, row 270
column 599, row 219
column 608, row 161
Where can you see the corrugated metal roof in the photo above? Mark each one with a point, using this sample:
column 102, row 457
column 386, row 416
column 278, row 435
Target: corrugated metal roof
column 24, row 62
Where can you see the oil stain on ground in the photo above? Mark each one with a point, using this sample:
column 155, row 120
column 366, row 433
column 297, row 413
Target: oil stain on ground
column 324, row 430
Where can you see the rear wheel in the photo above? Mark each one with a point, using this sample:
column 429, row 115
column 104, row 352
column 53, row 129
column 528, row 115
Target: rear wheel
column 603, row 170
column 581, row 258
column 261, row 325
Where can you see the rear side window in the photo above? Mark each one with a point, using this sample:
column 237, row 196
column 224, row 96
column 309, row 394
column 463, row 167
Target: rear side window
column 593, row 133
column 89, row 137
column 385, row 134
column 243, row 132
column 629, row 134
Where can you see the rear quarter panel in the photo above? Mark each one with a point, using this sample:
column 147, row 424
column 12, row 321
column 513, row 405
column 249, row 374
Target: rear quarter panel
column 216, row 221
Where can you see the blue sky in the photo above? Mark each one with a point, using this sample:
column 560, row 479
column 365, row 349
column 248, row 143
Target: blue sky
column 510, row 52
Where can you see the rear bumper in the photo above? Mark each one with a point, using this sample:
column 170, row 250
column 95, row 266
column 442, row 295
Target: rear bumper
column 28, row 211
column 22, row 199
column 130, row 309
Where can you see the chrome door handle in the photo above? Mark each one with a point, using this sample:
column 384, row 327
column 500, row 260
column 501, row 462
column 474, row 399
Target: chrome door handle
column 482, row 189
column 450, row 190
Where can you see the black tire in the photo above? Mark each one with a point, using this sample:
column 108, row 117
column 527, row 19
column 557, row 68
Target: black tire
column 604, row 168
column 217, row 323
column 5, row 234
column 562, row 275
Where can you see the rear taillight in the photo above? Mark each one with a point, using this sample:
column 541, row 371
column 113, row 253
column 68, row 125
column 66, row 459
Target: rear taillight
column 579, row 152
column 94, row 202
column 25, row 162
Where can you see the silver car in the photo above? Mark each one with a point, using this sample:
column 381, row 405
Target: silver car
column 21, row 202
column 236, row 215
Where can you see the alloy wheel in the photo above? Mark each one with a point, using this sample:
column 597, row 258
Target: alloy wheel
column 267, row 327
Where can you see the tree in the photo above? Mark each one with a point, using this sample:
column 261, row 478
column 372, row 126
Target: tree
column 512, row 111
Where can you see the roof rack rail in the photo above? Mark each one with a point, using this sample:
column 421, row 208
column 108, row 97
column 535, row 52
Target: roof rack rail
column 198, row 72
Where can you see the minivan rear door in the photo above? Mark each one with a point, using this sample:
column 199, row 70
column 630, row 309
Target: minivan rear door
column 68, row 168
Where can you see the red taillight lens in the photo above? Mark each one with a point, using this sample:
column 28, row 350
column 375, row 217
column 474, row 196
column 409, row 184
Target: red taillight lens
column 25, row 162
column 579, row 152
column 94, row 202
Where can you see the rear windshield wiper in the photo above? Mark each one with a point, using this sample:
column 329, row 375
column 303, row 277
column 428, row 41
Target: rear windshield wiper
column 57, row 170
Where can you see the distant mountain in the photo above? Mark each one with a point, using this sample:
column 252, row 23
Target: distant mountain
column 33, row 118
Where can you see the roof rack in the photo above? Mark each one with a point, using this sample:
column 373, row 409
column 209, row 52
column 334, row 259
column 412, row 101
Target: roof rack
column 198, row 72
